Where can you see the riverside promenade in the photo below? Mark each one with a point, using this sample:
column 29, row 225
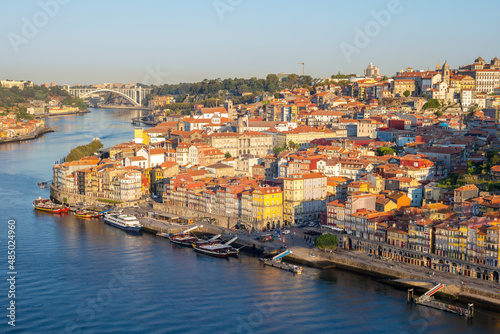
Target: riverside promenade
column 33, row 135
column 460, row 288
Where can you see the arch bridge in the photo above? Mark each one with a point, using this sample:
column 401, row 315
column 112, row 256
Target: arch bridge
column 134, row 95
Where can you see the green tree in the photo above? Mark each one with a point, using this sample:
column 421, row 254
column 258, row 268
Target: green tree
column 291, row 80
column 272, row 83
column 83, row 150
column 292, row 145
column 326, row 241
column 407, row 93
column 432, row 103
column 227, row 155
column 386, row 151
column 306, row 80
column 495, row 160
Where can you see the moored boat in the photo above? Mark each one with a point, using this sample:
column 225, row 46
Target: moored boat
column 216, row 250
column 46, row 205
column 183, row 238
column 84, row 214
column 124, row 222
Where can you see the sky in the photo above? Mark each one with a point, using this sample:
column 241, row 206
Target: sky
column 157, row 42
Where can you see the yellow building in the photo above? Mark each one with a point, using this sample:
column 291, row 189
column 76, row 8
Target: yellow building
column 431, row 211
column 460, row 82
column 141, row 136
column 294, row 112
column 397, row 237
column 384, row 204
column 267, row 204
column 462, row 241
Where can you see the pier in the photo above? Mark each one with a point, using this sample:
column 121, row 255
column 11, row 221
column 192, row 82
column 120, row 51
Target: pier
column 428, row 300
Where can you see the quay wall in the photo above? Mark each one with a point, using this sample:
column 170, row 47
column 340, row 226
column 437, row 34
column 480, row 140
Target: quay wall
column 61, row 196
column 35, row 134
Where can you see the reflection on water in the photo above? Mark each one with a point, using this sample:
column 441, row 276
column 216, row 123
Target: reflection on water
column 83, row 276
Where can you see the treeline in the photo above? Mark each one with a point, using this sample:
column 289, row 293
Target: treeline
column 235, row 87
column 83, row 150
column 10, row 97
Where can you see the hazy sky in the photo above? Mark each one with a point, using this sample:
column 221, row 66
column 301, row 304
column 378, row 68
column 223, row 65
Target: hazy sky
column 77, row 41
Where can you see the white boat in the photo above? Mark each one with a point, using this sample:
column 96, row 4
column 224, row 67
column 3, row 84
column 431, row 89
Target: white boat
column 125, row 222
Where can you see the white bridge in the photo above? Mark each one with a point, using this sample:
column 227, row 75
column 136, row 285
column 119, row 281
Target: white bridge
column 134, row 95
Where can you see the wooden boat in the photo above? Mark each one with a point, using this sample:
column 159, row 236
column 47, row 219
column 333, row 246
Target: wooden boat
column 213, row 250
column 84, row 214
column 183, row 238
column 46, row 205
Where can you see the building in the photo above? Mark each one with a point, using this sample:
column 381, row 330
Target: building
column 305, row 196
column 372, row 71
column 250, row 142
column 267, row 205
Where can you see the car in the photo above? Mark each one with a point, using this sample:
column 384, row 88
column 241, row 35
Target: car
column 286, row 232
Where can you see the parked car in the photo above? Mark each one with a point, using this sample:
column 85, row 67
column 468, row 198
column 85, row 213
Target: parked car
column 286, row 232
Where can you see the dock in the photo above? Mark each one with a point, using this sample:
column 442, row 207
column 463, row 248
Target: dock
column 275, row 261
column 428, row 300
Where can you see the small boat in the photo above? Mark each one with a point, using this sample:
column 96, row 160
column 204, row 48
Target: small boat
column 226, row 246
column 46, row 205
column 216, row 250
column 183, row 238
column 84, row 214
column 125, row 222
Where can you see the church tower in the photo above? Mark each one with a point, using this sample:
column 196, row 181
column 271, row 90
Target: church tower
column 438, row 66
column 446, row 72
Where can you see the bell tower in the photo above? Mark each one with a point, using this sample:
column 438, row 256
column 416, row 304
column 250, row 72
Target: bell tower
column 446, row 72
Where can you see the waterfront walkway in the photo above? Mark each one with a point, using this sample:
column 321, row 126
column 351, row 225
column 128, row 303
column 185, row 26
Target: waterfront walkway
column 464, row 288
column 33, row 135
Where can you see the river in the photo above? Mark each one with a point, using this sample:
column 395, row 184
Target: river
column 76, row 276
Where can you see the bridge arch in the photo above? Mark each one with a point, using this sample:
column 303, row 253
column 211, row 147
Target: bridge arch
column 134, row 102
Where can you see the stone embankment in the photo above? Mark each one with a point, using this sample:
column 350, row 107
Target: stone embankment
column 35, row 134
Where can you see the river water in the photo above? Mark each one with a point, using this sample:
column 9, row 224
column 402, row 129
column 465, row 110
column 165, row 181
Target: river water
column 76, row 276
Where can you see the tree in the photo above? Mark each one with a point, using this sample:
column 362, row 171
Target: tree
column 326, row 241
column 291, row 80
column 272, row 83
column 292, row 145
column 386, row 151
column 279, row 149
column 407, row 93
column 432, row 103
column 306, row 80
column 385, row 78
column 495, row 160
column 228, row 155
